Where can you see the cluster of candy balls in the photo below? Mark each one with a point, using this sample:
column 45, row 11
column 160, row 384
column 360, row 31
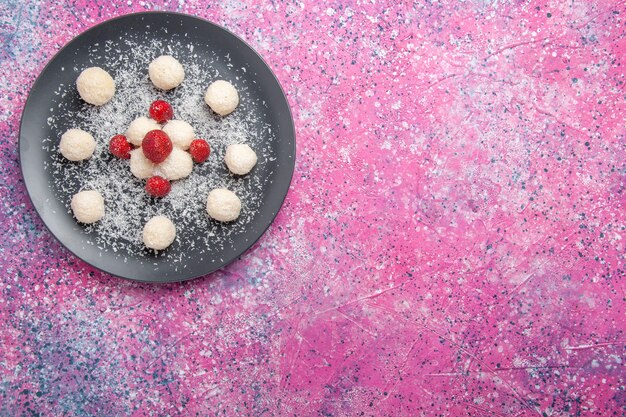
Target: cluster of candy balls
column 160, row 148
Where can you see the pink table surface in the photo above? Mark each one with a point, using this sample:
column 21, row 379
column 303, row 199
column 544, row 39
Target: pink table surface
column 453, row 242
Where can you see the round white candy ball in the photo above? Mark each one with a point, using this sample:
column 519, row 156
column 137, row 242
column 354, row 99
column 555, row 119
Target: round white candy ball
column 240, row 158
column 223, row 205
column 181, row 133
column 221, row 97
column 95, row 86
column 88, row 206
column 77, row 145
column 140, row 166
column 166, row 72
column 158, row 233
column 177, row 165
column 138, row 129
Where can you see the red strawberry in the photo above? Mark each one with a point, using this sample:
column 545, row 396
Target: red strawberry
column 156, row 146
column 158, row 186
column 161, row 111
column 199, row 150
column 120, row 147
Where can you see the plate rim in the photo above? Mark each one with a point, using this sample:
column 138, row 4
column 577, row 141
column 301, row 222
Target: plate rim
column 290, row 167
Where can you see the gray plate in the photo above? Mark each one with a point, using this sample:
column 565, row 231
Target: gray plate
column 49, row 201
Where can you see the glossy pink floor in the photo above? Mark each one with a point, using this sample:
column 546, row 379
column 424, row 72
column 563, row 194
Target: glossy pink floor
column 453, row 243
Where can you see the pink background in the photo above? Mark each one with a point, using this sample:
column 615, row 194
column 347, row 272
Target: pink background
column 452, row 243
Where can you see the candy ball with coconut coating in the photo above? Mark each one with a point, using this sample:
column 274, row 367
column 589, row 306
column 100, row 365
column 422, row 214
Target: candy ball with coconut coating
column 176, row 166
column 140, row 166
column 138, row 129
column 158, row 233
column 221, row 97
column 181, row 133
column 77, row 145
column 166, row 72
column 223, row 205
column 88, row 206
column 95, row 86
column 240, row 158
